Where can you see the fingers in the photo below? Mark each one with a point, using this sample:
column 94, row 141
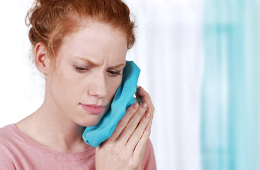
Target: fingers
column 124, row 121
column 126, row 147
column 132, row 124
column 141, row 145
column 145, row 97
column 138, row 133
column 141, row 93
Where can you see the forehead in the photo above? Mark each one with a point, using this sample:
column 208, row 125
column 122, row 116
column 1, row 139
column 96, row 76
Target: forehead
column 95, row 40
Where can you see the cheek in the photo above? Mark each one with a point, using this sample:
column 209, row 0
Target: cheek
column 113, row 86
column 63, row 86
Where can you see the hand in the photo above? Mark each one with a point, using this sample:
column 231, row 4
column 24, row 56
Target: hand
column 126, row 147
column 142, row 94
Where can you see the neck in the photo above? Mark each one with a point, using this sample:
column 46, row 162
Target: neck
column 58, row 131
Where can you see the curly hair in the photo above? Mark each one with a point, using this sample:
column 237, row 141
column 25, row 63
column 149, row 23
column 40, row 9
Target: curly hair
column 51, row 20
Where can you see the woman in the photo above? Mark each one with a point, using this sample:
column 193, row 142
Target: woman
column 80, row 46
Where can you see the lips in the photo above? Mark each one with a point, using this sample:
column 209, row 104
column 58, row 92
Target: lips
column 94, row 109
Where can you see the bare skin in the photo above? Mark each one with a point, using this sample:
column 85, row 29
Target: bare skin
column 126, row 147
column 88, row 70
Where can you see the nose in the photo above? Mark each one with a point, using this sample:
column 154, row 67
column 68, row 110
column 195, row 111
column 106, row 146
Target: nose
column 98, row 86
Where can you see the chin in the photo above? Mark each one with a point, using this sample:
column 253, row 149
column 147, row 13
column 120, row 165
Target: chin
column 89, row 122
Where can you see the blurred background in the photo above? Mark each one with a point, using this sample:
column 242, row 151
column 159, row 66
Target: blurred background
column 200, row 63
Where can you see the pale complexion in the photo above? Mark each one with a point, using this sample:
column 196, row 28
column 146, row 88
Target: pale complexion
column 88, row 70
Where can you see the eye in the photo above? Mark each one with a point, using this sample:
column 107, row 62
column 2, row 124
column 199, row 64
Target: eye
column 81, row 69
column 114, row 73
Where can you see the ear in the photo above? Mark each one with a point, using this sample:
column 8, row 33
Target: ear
column 42, row 62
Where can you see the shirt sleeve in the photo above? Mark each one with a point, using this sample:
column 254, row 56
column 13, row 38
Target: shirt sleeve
column 5, row 162
column 149, row 162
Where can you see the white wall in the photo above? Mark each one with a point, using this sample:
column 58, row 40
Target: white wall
column 169, row 52
column 19, row 90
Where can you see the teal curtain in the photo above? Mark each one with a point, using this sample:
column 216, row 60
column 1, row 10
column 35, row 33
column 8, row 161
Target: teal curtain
column 230, row 121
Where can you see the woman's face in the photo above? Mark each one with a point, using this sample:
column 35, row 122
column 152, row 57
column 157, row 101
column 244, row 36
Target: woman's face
column 88, row 70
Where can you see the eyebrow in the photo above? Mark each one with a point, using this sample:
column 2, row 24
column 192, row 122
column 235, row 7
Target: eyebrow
column 117, row 66
column 95, row 64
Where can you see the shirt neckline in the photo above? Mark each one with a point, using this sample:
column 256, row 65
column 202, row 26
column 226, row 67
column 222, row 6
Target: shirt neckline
column 49, row 152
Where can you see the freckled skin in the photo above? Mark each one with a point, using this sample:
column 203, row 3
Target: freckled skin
column 67, row 87
column 88, row 70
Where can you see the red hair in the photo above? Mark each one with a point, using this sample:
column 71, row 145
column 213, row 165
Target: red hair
column 51, row 20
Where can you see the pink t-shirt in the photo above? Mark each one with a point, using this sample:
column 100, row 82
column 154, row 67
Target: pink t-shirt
column 18, row 151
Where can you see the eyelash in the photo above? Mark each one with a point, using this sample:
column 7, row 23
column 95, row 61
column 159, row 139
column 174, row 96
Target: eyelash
column 85, row 69
column 81, row 69
column 114, row 73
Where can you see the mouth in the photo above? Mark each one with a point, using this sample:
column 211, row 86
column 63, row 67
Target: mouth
column 93, row 109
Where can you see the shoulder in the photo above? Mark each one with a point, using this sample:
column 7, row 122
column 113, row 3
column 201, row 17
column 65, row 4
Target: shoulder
column 5, row 144
column 6, row 134
column 7, row 137
column 149, row 162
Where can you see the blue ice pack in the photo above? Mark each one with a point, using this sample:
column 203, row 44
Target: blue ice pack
column 123, row 98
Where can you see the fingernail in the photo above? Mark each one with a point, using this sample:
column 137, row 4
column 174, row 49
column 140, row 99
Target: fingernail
column 147, row 115
column 135, row 106
column 144, row 105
